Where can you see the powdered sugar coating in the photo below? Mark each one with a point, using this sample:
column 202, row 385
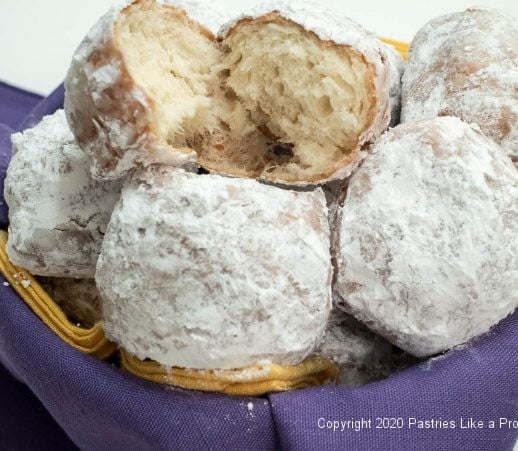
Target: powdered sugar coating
column 212, row 15
column 107, row 111
column 397, row 68
column 208, row 272
column 427, row 253
column 78, row 298
column 360, row 355
column 57, row 213
column 326, row 24
column 330, row 26
column 466, row 65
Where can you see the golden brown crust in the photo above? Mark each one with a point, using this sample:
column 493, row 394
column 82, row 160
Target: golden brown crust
column 109, row 113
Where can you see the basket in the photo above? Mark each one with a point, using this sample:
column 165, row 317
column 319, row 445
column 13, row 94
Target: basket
column 439, row 402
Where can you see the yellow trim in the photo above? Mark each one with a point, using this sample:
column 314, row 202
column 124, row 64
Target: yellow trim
column 401, row 47
column 253, row 381
column 90, row 341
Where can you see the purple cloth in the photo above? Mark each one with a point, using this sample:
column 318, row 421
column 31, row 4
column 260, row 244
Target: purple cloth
column 24, row 422
column 14, row 104
column 48, row 106
column 101, row 407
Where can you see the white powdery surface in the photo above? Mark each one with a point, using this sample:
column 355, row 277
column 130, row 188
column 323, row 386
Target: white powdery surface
column 212, row 15
column 397, row 68
column 427, row 251
column 326, row 24
column 208, row 272
column 57, row 213
column 78, row 298
column 466, row 65
column 360, row 355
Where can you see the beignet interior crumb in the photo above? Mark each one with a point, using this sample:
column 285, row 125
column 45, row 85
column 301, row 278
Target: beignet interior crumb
column 172, row 60
column 271, row 100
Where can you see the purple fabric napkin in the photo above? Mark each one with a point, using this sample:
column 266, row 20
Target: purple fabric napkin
column 24, row 422
column 15, row 103
column 447, row 403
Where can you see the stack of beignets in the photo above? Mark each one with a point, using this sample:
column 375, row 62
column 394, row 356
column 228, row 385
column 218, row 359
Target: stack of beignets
column 203, row 271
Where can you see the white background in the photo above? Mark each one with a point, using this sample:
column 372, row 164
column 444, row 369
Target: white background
column 38, row 38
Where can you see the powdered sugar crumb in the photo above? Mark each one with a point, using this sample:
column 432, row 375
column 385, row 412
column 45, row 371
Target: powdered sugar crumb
column 25, row 283
column 331, row 26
